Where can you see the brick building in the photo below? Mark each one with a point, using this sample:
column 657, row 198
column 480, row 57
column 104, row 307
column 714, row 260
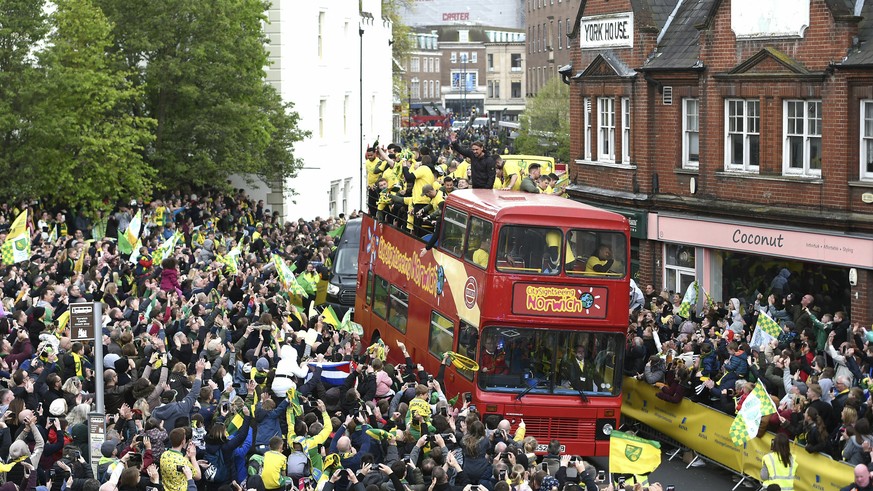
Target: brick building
column 422, row 74
column 504, row 75
column 737, row 136
column 547, row 22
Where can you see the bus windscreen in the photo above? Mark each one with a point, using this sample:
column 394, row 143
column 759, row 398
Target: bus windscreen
column 539, row 361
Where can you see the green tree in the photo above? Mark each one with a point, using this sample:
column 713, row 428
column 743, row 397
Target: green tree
column 202, row 68
column 81, row 145
column 22, row 25
column 545, row 123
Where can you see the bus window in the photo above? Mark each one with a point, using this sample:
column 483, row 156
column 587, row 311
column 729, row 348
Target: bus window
column 453, row 230
column 600, row 254
column 380, row 300
column 550, row 361
column 528, row 250
column 441, row 335
column 468, row 339
column 478, row 248
column 369, row 292
column 399, row 309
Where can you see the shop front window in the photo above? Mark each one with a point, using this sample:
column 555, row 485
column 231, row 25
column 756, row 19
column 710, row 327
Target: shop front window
column 679, row 267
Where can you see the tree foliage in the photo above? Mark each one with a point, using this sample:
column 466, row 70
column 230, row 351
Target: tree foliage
column 108, row 98
column 81, row 145
column 202, row 68
column 545, row 123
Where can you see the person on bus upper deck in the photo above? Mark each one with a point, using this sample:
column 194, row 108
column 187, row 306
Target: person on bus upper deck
column 529, row 183
column 511, row 175
column 603, row 262
column 543, row 184
column 482, row 165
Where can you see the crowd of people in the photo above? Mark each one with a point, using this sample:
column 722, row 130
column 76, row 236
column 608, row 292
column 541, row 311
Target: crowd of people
column 816, row 371
column 215, row 374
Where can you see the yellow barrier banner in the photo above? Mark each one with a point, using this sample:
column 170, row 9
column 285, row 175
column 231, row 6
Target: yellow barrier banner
column 706, row 431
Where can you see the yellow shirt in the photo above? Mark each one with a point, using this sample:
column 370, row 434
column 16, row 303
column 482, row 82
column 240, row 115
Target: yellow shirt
column 511, row 168
column 461, row 171
column 480, row 257
column 423, row 176
column 174, row 480
column 373, row 174
column 274, row 468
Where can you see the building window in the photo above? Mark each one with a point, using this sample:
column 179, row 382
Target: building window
column 490, row 89
column 346, row 116
column 679, row 270
column 530, row 39
column 560, row 40
column 496, row 89
column 625, row 129
column 690, row 133
column 321, row 16
column 424, row 90
column 414, row 64
column 515, row 87
column 545, row 34
column 515, row 62
column 801, row 153
column 866, row 139
column 550, row 32
column 743, row 134
column 490, row 60
column 453, row 57
column 415, row 89
column 471, row 79
column 537, row 40
column 436, row 65
column 322, row 115
column 606, row 129
column 347, row 191
column 437, row 86
column 334, row 195
column 432, row 93
column 474, row 57
column 587, row 110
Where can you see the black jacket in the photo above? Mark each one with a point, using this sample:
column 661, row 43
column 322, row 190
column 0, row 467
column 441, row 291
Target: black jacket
column 483, row 170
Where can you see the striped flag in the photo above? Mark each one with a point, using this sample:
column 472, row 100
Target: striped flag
column 53, row 236
column 129, row 239
column 333, row 374
column 768, row 325
column 330, row 316
column 756, row 405
column 166, row 249
column 16, row 248
column 689, row 300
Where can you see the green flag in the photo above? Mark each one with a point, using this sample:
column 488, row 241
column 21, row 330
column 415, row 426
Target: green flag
column 337, row 232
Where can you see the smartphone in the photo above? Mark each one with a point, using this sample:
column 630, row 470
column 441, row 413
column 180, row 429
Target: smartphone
column 444, row 411
column 503, row 475
column 544, row 466
column 39, row 407
column 468, row 397
column 670, row 487
column 474, row 487
column 601, row 475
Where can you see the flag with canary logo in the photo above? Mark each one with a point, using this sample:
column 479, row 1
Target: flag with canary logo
column 16, row 248
column 330, row 316
column 630, row 454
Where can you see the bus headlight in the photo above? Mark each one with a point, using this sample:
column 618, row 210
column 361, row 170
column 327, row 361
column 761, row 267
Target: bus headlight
column 333, row 289
column 607, row 429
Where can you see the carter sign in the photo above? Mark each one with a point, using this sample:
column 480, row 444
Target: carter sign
column 447, row 16
column 607, row 31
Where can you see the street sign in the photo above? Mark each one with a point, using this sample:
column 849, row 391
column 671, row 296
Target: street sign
column 82, row 321
column 96, row 437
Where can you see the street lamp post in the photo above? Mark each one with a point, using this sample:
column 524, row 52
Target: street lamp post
column 464, row 88
column 363, row 155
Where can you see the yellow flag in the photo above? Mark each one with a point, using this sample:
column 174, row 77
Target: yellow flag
column 629, row 454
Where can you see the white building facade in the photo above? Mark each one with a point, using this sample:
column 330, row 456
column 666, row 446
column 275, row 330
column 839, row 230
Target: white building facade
column 315, row 54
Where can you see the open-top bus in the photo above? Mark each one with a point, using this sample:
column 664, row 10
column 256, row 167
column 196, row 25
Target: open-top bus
column 515, row 283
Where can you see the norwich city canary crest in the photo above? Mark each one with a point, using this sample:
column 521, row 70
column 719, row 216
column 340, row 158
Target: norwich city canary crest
column 633, row 453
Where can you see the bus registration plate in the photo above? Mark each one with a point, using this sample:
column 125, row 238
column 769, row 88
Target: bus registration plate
column 545, row 448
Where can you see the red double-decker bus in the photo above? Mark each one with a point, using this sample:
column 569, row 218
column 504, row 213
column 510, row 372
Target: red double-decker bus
column 534, row 288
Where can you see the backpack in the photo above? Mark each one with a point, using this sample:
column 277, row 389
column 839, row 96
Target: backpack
column 217, row 470
column 256, row 465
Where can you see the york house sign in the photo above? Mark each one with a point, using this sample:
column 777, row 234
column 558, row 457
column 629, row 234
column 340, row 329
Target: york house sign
column 607, row 31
